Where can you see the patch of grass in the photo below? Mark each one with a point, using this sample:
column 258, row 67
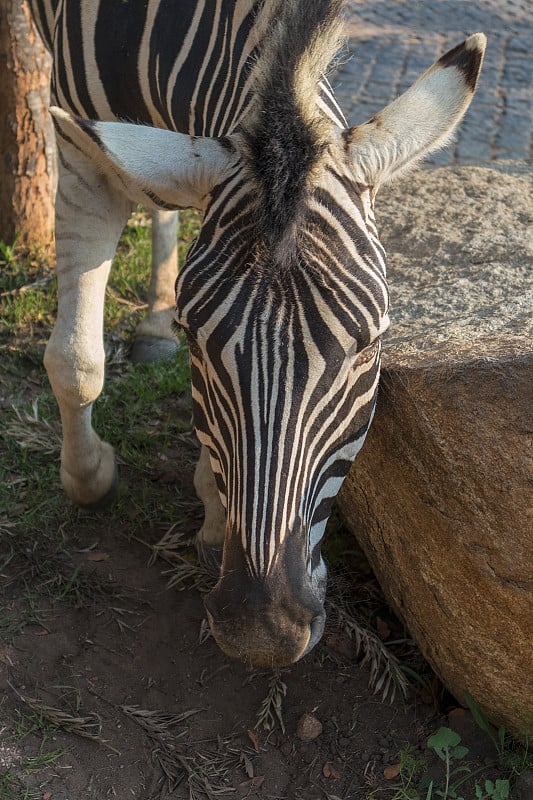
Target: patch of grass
column 12, row 788
column 46, row 720
column 457, row 773
column 142, row 412
column 387, row 675
column 8, row 251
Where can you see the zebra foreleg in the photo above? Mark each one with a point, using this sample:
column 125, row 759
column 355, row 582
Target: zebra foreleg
column 210, row 539
column 90, row 216
column 154, row 339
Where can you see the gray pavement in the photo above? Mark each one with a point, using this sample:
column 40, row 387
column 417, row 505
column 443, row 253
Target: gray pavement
column 391, row 42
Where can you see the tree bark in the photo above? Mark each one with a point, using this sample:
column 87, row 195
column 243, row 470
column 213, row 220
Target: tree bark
column 27, row 145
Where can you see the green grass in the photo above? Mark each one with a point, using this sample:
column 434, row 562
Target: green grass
column 455, row 776
column 136, row 412
column 12, row 788
column 142, row 411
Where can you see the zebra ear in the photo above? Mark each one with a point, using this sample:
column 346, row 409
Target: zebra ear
column 158, row 168
column 420, row 120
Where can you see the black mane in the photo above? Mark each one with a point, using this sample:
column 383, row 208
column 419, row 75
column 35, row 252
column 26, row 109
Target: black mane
column 286, row 133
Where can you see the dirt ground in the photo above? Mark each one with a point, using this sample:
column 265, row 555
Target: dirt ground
column 113, row 688
column 125, row 680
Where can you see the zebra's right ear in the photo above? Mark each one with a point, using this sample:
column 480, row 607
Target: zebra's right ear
column 158, row 168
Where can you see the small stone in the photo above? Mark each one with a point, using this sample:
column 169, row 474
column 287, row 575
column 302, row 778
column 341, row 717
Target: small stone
column 309, row 727
column 330, row 771
column 391, row 772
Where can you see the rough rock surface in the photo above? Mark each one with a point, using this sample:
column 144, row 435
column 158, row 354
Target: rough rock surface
column 441, row 495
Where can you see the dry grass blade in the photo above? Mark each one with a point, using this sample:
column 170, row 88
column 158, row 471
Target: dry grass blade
column 205, row 632
column 270, row 711
column 7, row 526
column 386, row 675
column 186, row 571
column 29, row 287
column 158, row 723
column 33, row 433
column 206, row 773
column 210, row 774
column 161, row 729
column 88, row 726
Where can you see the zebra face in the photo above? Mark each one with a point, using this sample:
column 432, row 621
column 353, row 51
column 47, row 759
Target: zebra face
column 285, row 366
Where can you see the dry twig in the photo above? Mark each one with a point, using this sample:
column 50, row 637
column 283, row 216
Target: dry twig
column 270, row 712
column 386, row 675
column 88, row 726
column 186, row 571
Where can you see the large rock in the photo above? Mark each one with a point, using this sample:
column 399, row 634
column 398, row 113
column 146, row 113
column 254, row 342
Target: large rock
column 440, row 497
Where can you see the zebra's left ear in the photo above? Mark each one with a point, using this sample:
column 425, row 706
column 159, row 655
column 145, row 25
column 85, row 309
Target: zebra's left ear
column 420, row 120
column 158, row 168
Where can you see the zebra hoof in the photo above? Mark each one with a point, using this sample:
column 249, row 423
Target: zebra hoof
column 147, row 350
column 210, row 556
column 107, row 500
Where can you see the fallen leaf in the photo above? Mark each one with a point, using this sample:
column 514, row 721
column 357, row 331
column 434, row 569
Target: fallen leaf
column 248, row 766
column 97, row 555
column 391, row 772
column 254, row 738
column 47, row 795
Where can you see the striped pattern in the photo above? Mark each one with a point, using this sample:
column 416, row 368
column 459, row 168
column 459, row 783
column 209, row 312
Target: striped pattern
column 285, row 367
column 186, row 71
column 284, row 335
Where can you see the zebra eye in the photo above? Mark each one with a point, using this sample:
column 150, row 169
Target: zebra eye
column 369, row 353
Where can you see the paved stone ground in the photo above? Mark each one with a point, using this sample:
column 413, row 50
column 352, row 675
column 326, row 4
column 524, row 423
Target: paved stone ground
column 393, row 41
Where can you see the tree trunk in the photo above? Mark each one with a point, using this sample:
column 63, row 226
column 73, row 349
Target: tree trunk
column 27, row 146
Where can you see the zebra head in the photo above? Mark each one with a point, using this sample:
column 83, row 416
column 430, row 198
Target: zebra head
column 284, row 334
column 283, row 299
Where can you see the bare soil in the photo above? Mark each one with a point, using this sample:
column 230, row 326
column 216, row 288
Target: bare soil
column 125, row 661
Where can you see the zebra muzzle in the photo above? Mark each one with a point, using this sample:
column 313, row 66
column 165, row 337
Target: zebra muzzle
column 263, row 633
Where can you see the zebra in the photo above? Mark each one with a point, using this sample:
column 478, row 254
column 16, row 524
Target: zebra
column 223, row 105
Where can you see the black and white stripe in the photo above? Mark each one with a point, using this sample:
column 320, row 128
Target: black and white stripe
column 280, row 400
column 285, row 360
column 283, row 296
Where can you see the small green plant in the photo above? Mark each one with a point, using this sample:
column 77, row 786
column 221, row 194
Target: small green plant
column 7, row 251
column 446, row 744
column 499, row 790
column 513, row 757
